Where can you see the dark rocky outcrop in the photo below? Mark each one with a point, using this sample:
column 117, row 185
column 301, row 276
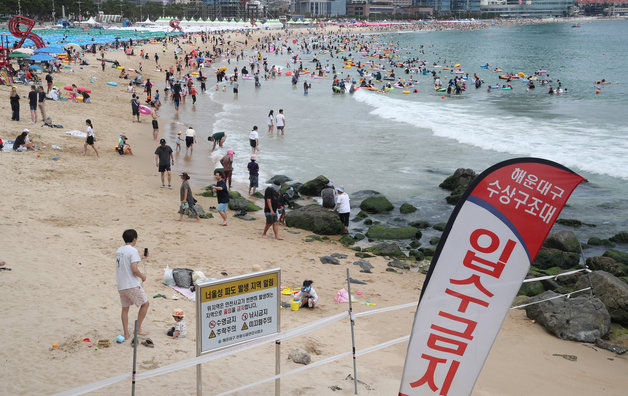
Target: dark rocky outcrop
column 563, row 240
column 386, row 249
column 440, row 226
column 421, row 224
column 531, row 289
column 457, row 184
column 282, row 179
column 612, row 291
column 549, row 257
column 329, row 260
column 378, row 232
column 608, row 264
column 617, row 256
column 399, row 264
column 242, row 204
column 347, row 240
column 583, row 318
column 407, row 208
column 376, row 204
column 316, row 219
column 620, row 237
column 365, row 266
column 595, row 241
column 313, row 187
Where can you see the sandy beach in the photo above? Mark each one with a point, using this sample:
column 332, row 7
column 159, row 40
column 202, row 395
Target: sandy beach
column 62, row 224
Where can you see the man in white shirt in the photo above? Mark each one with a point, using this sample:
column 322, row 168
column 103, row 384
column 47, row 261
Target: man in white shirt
column 343, row 207
column 281, row 121
column 128, row 278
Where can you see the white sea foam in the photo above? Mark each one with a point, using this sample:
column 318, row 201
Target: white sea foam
column 600, row 149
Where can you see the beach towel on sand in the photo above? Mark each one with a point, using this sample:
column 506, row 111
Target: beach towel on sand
column 76, row 133
column 186, row 292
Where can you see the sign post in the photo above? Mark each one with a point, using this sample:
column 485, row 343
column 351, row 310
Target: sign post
column 235, row 310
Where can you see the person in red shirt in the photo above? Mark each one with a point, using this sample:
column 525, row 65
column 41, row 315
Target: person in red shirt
column 193, row 92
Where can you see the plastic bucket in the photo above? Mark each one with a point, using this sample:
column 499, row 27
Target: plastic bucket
column 294, row 305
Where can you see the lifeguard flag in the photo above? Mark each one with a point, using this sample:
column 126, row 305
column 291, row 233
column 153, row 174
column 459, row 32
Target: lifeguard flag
column 492, row 237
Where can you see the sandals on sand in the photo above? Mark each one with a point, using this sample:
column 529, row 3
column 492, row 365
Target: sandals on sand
column 149, row 343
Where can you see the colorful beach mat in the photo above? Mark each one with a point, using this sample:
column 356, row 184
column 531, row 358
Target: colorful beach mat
column 186, row 292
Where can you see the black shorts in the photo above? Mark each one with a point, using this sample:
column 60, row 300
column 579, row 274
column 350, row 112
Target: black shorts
column 90, row 140
column 163, row 168
column 136, row 112
column 253, row 142
column 155, row 124
column 235, row 90
column 33, row 107
column 344, row 218
column 189, row 140
column 280, row 127
column 270, row 219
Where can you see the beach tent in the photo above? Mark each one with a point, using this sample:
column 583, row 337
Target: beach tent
column 91, row 22
column 73, row 46
column 148, row 22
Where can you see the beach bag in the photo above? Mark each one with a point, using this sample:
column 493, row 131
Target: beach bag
column 182, row 277
column 168, row 277
column 342, row 296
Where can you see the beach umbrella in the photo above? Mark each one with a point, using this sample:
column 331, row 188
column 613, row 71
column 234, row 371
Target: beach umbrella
column 34, row 67
column 74, row 46
column 41, row 58
column 27, row 51
column 18, row 55
column 49, row 50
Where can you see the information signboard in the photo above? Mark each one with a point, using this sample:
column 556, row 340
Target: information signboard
column 237, row 309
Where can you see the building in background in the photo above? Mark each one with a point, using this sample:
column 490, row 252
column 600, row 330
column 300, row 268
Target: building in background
column 317, row 8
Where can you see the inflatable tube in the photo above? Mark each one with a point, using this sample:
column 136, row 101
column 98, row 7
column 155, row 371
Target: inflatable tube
column 145, row 110
column 459, row 72
column 195, row 73
column 69, row 88
column 79, row 98
column 288, row 73
column 405, row 92
column 317, row 77
column 112, row 83
column 247, row 78
column 507, row 89
column 495, row 87
column 483, row 66
column 440, row 89
column 457, row 65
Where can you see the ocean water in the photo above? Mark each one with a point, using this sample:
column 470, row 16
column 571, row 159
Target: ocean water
column 405, row 145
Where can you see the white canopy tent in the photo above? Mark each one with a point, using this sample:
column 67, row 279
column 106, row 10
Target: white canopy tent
column 91, row 22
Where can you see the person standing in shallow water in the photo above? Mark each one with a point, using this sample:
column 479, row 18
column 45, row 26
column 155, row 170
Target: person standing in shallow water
column 271, row 122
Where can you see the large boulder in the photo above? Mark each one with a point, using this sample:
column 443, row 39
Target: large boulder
column 563, row 240
column 383, row 232
column 407, row 208
column 316, row 219
column 242, row 204
column 607, row 264
column 617, row 255
column 376, row 204
column 281, row 178
column 390, row 249
column 620, row 237
column 314, row 186
column 549, row 257
column 457, row 184
column 612, row 291
column 583, row 318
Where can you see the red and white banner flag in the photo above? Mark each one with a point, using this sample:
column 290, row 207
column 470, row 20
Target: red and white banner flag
column 492, row 237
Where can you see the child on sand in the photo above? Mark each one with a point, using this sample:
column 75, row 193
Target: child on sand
column 179, row 141
column 307, row 296
column 179, row 330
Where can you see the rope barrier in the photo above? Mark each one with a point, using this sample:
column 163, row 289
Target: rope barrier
column 285, row 335
column 320, row 363
column 556, row 276
column 551, row 298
